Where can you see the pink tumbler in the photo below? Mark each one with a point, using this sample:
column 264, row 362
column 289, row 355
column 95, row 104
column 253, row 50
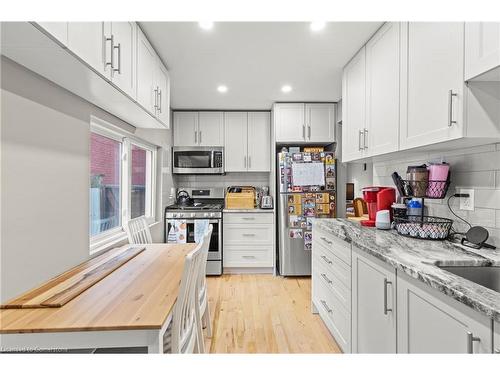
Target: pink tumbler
column 438, row 175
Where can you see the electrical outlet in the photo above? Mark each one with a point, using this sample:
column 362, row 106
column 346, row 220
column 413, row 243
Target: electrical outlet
column 467, row 203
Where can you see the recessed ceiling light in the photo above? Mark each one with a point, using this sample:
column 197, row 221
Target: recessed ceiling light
column 286, row 88
column 222, row 88
column 206, row 25
column 317, row 25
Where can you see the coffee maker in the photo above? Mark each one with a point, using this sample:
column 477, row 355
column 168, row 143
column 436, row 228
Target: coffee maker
column 377, row 198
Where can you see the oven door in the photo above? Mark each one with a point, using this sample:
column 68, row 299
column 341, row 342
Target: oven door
column 197, row 160
column 215, row 247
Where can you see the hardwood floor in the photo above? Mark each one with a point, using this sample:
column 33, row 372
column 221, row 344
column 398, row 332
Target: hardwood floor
column 265, row 314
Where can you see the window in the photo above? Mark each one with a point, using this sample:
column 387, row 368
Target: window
column 122, row 181
column 105, row 183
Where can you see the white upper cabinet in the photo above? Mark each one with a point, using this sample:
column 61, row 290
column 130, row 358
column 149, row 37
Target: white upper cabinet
column 289, row 122
column 58, row 30
column 299, row 122
column 123, row 44
column 435, row 81
column 320, row 122
column 383, row 90
column 211, row 129
column 186, row 128
column 354, row 108
column 146, row 62
column 259, row 141
column 162, row 79
column 91, row 42
column 235, row 141
column 482, row 51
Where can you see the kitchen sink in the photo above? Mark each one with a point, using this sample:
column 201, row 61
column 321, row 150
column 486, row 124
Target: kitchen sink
column 488, row 277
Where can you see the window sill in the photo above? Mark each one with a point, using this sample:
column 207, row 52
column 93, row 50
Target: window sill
column 113, row 240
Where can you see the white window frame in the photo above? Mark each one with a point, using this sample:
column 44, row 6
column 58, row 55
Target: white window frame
column 108, row 238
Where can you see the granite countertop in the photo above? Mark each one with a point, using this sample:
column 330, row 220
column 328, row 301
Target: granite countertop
column 419, row 259
column 248, row 210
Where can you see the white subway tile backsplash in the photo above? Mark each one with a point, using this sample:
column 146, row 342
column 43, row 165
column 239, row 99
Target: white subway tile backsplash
column 474, row 167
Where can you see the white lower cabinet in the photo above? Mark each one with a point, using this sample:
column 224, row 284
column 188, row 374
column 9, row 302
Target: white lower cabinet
column 331, row 286
column 429, row 322
column 373, row 305
column 248, row 240
column 496, row 338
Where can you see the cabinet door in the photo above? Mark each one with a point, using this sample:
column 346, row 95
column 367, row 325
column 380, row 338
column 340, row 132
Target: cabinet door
column 235, row 141
column 259, row 141
column 482, row 47
column 382, row 90
column 427, row 324
column 146, row 66
column 58, row 30
column 211, row 129
column 289, row 122
column 320, row 122
column 353, row 107
column 496, row 338
column 185, row 128
column 162, row 80
column 88, row 41
column 124, row 59
column 373, row 306
column 435, row 79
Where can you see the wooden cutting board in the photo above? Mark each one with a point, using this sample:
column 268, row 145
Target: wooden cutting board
column 63, row 288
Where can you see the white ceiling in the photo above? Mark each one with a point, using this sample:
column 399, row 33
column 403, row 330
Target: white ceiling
column 254, row 59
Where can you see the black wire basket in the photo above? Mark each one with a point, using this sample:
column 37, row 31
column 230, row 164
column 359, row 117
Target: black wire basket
column 433, row 189
column 424, row 227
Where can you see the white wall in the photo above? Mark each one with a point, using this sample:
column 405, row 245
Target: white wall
column 361, row 178
column 45, row 178
column 476, row 167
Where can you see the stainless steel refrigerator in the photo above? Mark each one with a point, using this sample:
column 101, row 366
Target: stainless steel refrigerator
column 307, row 190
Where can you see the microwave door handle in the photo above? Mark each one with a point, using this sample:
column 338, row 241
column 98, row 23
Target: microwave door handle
column 212, row 157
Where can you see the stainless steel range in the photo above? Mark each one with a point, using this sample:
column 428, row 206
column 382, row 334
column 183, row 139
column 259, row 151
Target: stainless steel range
column 206, row 204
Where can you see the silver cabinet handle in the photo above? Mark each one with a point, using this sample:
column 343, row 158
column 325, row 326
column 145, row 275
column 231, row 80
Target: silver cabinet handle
column 248, row 218
column 156, row 102
column 309, row 131
column 360, row 146
column 326, row 259
column 326, row 278
column 195, row 137
column 451, row 94
column 470, row 342
column 112, row 62
column 365, row 136
column 328, row 242
column 304, row 131
column 323, row 302
column 245, row 161
column 386, row 309
column 248, row 234
column 248, row 256
column 159, row 102
column 199, row 135
column 119, row 48
column 497, row 351
column 249, row 161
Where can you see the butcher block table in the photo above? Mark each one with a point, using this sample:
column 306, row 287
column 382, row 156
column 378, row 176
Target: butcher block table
column 130, row 307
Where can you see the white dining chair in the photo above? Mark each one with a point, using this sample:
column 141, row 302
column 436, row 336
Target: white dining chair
column 182, row 337
column 202, row 293
column 138, row 231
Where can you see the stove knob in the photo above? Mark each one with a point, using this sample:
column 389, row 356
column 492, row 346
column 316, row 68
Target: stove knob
column 212, row 214
column 205, row 214
column 193, row 214
column 174, row 214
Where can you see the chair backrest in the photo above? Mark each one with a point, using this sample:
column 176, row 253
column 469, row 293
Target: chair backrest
column 202, row 280
column 184, row 334
column 138, row 231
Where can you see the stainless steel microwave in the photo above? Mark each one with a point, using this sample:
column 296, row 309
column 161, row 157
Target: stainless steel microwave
column 198, row 160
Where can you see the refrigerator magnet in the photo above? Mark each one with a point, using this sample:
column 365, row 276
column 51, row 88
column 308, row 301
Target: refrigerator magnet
column 295, row 233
